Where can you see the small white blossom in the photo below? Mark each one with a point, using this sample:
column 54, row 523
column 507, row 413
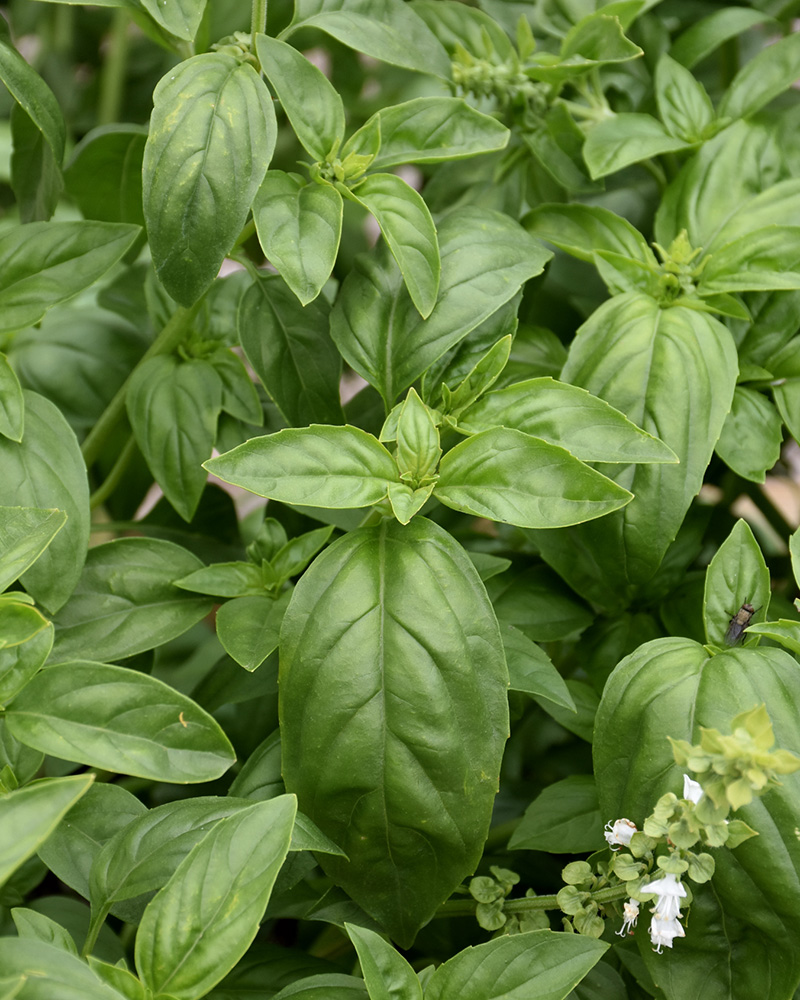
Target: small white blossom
column 631, row 914
column 692, row 790
column 665, row 926
column 619, row 832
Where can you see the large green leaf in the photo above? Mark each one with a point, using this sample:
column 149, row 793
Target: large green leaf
column 46, row 470
column 299, row 225
column 737, row 575
column 125, row 601
column 45, row 263
column 120, row 720
column 485, row 256
column 291, row 351
column 409, row 231
column 672, row 687
column 314, row 466
column 569, row 417
column 752, row 435
column 104, row 173
column 25, row 533
column 384, row 29
column 707, row 34
column 624, row 139
column 394, row 715
column 767, row 74
column 387, row 974
column 173, row 407
column 52, row 973
column 761, row 260
column 211, row 138
column 509, row 476
column 562, row 819
column 582, row 230
column 536, row 965
column 204, row 919
column 29, row 815
column 672, row 372
column 34, row 96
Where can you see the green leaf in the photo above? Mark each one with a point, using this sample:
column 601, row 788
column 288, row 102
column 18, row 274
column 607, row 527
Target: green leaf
column 104, row 173
column 173, row 407
column 229, row 877
column 626, row 138
column 249, row 628
column 428, row 130
column 293, row 557
column 766, row 75
column 233, row 579
column 314, row 109
column 325, row 987
column 19, row 622
column 709, row 33
column 388, row 30
column 10, row 987
column 537, row 602
column 291, row 351
column 761, row 260
column 563, row 819
column 35, row 926
column 406, row 502
column 387, row 974
column 570, row 417
column 34, row 96
column 126, row 601
column 751, row 438
column 25, row 533
column 470, row 28
column 393, row 715
column 44, row 263
column 672, row 687
column 51, row 973
column 409, row 231
column 35, row 173
column 121, row 720
column 18, row 664
column 71, row 849
column 29, row 815
column 239, row 394
column 736, row 575
column 180, row 18
column 485, row 257
column 46, row 470
column 260, row 776
column 509, row 476
column 634, row 355
column 683, row 103
column 536, row 963
column 12, row 405
column 317, row 466
column 582, row 230
column 212, row 133
column 784, row 631
column 299, row 226
column 530, row 669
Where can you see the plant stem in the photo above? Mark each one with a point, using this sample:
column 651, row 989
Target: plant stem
column 172, row 334
column 110, row 483
column 258, row 21
column 467, row 907
column 112, row 80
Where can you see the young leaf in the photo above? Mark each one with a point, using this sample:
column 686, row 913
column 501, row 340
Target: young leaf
column 314, row 109
column 183, row 949
column 626, row 138
column 707, row 34
column 509, row 476
column 751, row 438
column 418, row 450
column 534, row 963
column 19, row 622
column 35, row 926
column 387, row 974
column 260, row 776
column 409, row 231
column 212, row 133
column 530, row 669
column 291, row 351
column 25, row 533
column 760, row 260
column 563, row 819
column 44, row 263
column 428, row 130
column 766, row 75
column 126, row 601
column 293, row 557
column 29, row 815
column 120, row 720
column 18, row 664
column 587, row 426
column 737, row 575
column 319, row 466
column 299, row 226
column 46, row 470
column 249, row 628
column 233, row 579
column 683, row 103
column 388, row 30
column 180, row 18
column 173, row 407
column 400, row 765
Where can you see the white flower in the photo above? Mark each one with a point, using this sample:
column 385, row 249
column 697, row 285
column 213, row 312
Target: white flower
column 619, row 832
column 631, row 914
column 664, row 926
column 692, row 790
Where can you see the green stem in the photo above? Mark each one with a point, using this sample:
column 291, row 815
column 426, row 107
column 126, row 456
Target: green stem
column 467, row 907
column 112, row 480
column 95, row 926
column 115, row 65
column 258, row 21
column 653, row 168
column 169, row 338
